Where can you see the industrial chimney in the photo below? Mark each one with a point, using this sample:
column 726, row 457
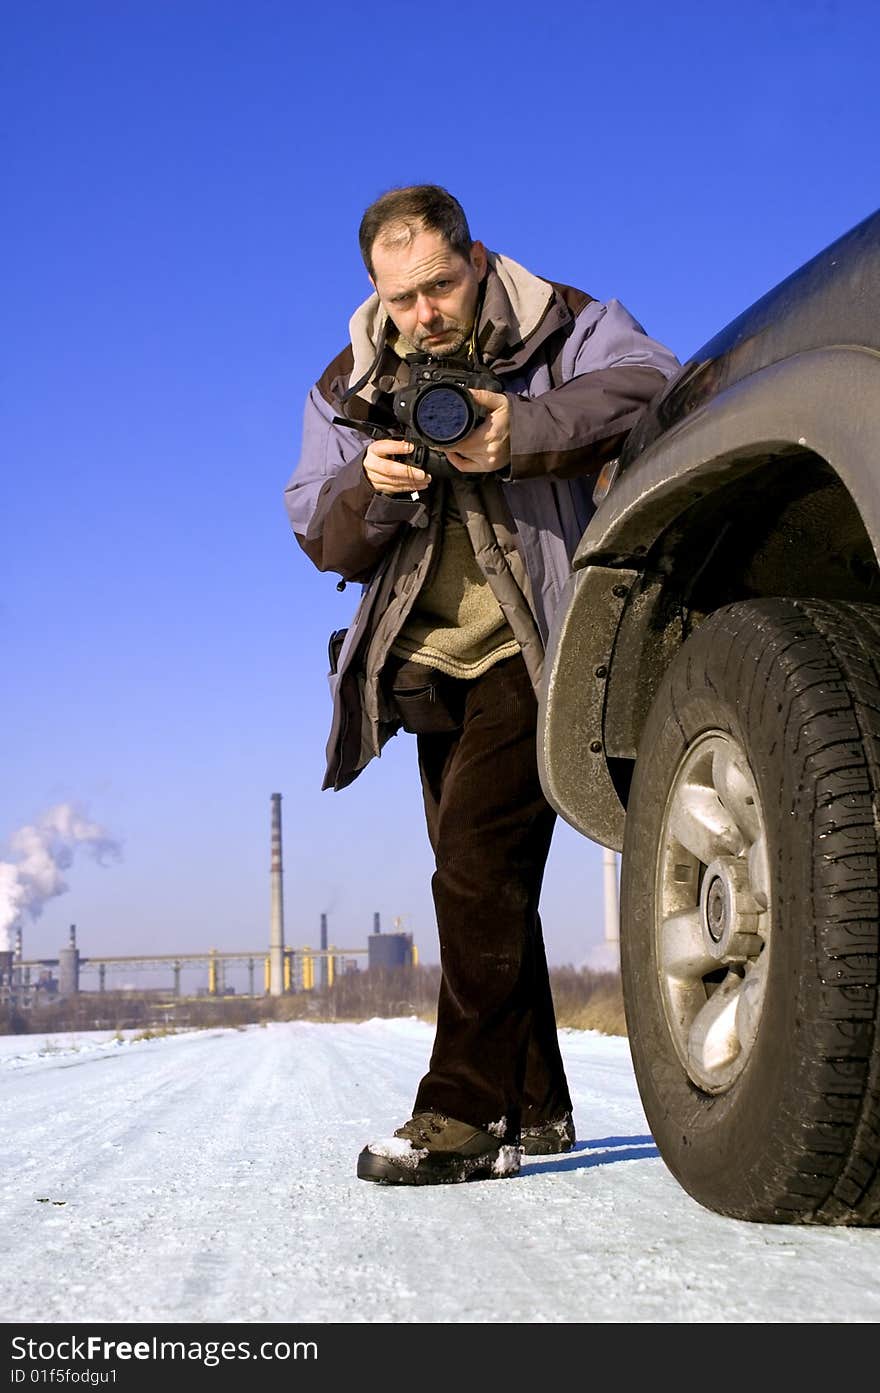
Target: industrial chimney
column 324, row 964
column 276, row 919
column 10, row 959
column 68, row 967
column 612, row 909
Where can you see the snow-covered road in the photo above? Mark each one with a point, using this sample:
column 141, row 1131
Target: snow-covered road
column 210, row 1177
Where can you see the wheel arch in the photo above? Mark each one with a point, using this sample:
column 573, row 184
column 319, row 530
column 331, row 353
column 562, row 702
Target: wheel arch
column 768, row 489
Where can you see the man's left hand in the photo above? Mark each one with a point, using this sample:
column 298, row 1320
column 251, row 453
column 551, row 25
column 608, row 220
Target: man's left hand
column 488, row 447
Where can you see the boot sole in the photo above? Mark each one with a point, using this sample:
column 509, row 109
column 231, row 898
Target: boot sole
column 439, row 1170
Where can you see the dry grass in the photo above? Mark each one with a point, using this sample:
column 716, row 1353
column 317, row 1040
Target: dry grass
column 584, row 1000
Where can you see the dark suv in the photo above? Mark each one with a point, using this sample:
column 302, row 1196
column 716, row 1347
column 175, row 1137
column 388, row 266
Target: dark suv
column 711, row 709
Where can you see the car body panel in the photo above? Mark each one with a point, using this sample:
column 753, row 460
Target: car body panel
column 786, row 399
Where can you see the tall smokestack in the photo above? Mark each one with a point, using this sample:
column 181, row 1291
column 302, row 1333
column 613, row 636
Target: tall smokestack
column 17, row 954
column 612, row 911
column 276, row 914
column 68, row 967
column 324, row 973
column 376, row 922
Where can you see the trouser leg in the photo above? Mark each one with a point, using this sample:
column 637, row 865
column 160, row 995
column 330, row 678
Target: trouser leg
column 545, row 1092
column 490, row 827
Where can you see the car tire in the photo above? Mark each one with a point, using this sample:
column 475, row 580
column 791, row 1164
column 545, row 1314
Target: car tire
column 749, row 913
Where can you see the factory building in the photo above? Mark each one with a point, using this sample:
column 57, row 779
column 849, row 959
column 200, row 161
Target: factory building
column 284, row 969
column 390, row 950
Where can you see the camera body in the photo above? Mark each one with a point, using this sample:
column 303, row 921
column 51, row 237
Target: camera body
column 434, row 411
column 436, row 408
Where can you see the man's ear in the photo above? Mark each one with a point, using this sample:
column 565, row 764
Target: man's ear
column 479, row 259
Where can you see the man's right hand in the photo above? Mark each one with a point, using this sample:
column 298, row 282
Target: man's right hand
column 386, row 467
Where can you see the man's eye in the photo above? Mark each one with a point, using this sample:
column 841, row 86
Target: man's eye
column 442, row 285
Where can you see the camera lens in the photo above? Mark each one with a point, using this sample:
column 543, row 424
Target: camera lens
column 444, row 414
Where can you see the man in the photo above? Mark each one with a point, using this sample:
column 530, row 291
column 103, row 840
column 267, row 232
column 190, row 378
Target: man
column 461, row 575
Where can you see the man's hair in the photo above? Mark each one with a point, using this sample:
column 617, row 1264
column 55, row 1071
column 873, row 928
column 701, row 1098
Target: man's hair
column 398, row 215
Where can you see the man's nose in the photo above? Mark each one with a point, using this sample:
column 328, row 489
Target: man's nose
column 427, row 310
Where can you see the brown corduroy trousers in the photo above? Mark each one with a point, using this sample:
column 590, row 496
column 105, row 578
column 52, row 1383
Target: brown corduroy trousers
column 496, row 1051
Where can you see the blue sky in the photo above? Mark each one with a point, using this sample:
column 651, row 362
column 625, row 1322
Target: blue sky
column 183, row 184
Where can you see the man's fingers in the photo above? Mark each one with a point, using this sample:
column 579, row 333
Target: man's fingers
column 388, row 470
column 491, row 400
column 410, row 475
column 391, row 449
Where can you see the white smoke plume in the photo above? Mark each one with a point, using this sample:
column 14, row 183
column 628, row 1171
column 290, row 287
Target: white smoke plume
column 40, row 853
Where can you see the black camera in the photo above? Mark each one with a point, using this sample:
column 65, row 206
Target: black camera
column 433, row 412
column 437, row 407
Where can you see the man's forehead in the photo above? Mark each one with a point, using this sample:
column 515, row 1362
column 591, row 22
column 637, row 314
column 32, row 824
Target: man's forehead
column 400, row 265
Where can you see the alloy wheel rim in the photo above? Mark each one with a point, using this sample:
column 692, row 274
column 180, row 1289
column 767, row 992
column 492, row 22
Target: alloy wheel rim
column 713, row 913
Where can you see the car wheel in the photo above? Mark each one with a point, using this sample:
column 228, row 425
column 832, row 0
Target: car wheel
column 749, row 913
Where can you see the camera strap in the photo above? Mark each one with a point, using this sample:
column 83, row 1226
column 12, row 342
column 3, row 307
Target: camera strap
column 362, row 382
column 476, row 355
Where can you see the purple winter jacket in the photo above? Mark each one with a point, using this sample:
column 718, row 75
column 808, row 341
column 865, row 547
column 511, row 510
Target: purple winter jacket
column 577, row 372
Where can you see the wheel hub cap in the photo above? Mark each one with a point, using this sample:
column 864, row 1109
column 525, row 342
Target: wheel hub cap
column 713, row 912
column 729, row 911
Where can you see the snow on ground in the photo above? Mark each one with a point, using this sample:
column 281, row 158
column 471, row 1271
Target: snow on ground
column 210, row 1177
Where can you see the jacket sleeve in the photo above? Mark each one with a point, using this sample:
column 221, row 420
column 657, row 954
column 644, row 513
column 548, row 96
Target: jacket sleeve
column 610, row 370
column 339, row 520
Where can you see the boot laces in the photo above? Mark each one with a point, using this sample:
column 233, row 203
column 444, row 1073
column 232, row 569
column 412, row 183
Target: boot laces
column 422, row 1127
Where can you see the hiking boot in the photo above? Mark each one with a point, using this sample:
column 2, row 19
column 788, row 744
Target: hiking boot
column 548, row 1138
column 432, row 1149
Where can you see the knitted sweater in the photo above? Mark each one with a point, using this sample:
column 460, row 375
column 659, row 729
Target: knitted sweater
column 457, row 625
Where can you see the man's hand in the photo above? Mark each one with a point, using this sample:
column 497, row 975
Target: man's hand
column 388, row 471
column 488, row 447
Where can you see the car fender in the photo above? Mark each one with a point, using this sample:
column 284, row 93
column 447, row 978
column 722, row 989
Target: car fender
column 826, row 401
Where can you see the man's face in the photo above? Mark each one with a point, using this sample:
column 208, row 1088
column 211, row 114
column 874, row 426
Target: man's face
column 429, row 290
